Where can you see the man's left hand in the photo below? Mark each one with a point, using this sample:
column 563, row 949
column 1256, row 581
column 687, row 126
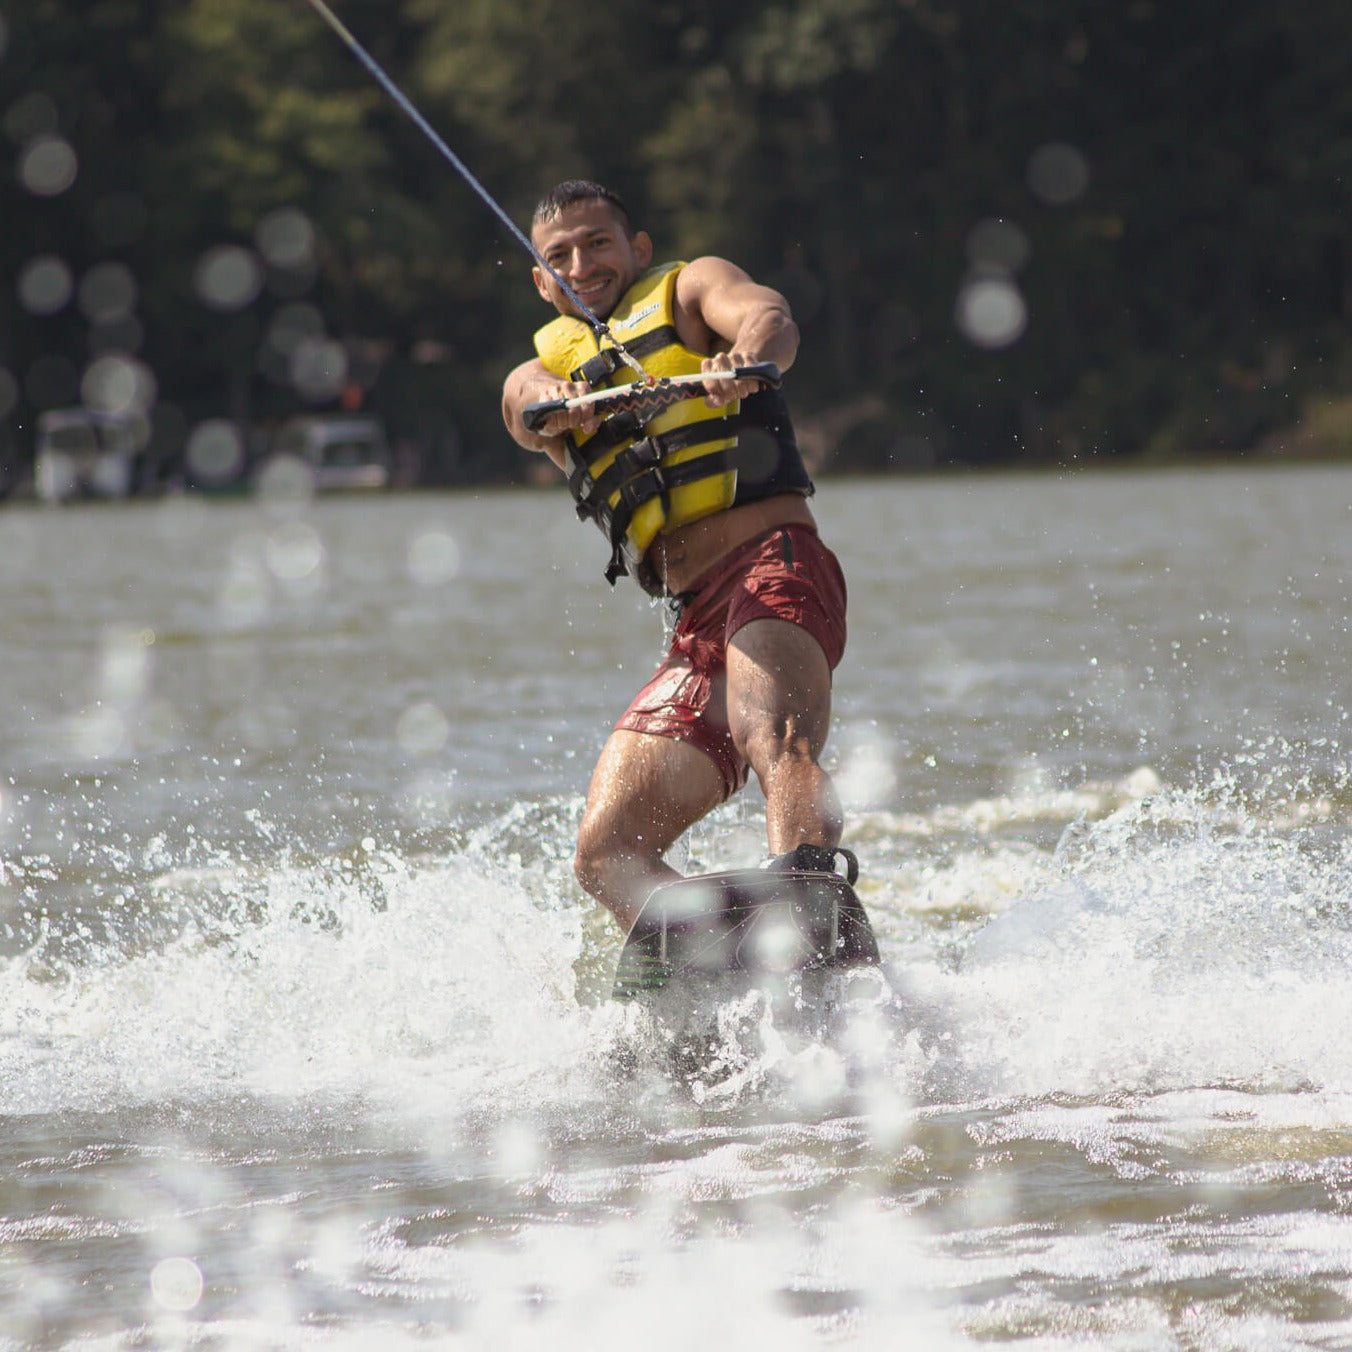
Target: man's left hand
column 724, row 391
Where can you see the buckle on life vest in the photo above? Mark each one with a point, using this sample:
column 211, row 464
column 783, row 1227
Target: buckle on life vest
column 617, row 567
column 619, row 427
column 644, row 454
column 598, row 368
column 642, row 488
column 586, row 499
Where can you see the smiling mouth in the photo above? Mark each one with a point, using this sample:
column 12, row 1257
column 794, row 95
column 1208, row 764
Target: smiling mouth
column 595, row 296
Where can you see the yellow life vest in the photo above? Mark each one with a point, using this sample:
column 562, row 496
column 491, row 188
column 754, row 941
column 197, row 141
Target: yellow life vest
column 638, row 479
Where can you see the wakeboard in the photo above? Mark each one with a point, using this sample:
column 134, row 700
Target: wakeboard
column 764, row 922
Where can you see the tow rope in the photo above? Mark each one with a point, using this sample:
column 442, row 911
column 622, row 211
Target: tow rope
column 597, row 325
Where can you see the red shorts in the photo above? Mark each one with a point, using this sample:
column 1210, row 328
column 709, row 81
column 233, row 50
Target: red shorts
column 785, row 574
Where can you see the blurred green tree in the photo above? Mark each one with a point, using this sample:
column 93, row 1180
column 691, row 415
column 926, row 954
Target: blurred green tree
column 1012, row 229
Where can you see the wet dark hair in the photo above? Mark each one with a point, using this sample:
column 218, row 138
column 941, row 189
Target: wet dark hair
column 574, row 190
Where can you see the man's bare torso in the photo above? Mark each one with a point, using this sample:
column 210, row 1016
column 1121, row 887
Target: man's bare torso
column 680, row 558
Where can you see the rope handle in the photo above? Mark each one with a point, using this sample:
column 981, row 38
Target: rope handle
column 647, row 397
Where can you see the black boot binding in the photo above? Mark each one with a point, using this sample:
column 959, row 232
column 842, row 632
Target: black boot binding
column 815, row 859
column 693, row 930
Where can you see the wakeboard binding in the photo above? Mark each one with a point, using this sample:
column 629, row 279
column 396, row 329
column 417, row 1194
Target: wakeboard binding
column 794, row 914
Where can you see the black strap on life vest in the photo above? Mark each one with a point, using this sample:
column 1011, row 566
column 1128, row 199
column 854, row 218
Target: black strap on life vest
column 593, row 494
column 595, row 370
column 620, row 427
column 598, row 369
column 658, row 482
column 651, row 450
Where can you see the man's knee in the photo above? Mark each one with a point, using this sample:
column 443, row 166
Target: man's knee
column 600, row 857
column 776, row 743
column 591, row 858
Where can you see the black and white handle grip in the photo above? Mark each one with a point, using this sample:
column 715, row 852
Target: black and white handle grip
column 652, row 395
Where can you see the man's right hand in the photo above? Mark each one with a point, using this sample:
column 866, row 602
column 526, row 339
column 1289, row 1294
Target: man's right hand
column 581, row 419
column 532, row 383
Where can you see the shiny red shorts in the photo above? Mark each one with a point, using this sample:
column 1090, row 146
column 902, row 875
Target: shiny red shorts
column 785, row 574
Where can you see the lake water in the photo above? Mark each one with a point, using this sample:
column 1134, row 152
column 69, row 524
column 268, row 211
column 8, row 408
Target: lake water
column 303, row 1036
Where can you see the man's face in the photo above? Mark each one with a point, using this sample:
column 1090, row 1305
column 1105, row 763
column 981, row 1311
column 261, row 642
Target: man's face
column 586, row 244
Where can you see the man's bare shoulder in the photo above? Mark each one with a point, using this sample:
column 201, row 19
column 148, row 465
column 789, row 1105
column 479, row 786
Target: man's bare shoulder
column 707, row 272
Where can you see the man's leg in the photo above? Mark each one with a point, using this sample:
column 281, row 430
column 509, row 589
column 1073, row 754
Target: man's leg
column 645, row 793
column 779, row 710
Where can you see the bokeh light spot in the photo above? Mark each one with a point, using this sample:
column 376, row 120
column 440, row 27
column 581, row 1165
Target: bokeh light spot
column 779, row 946
column 98, row 733
column 117, row 383
column 867, row 776
column 433, row 558
column 228, row 277
column 48, row 166
column 126, row 664
column 294, row 323
column 1057, row 173
column 246, row 590
column 291, row 325
column 991, row 312
column 215, row 451
column 294, row 552
column 107, row 293
column 286, row 481
column 422, row 729
column 519, row 1150
column 319, row 369
column 45, row 284
column 176, row 1283
column 286, row 238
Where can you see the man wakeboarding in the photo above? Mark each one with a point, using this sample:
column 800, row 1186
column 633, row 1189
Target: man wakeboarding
column 705, row 503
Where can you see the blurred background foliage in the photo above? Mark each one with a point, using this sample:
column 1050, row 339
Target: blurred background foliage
column 1028, row 231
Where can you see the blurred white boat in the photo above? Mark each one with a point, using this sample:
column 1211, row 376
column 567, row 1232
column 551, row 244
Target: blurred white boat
column 83, row 453
column 334, row 453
